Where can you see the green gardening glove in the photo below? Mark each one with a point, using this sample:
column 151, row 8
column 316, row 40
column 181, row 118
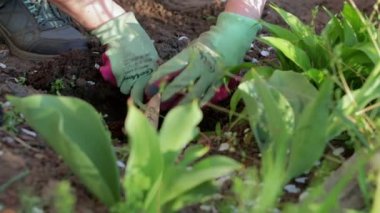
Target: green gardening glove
column 131, row 57
column 199, row 70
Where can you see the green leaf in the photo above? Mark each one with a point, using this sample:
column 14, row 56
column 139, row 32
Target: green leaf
column 269, row 111
column 350, row 37
column 294, row 53
column 310, row 136
column 353, row 16
column 295, row 87
column 333, row 31
column 192, row 154
column 77, row 133
column 178, row 129
column 145, row 163
column 357, row 100
column 281, row 32
column 198, row 194
column 180, row 180
column 296, row 25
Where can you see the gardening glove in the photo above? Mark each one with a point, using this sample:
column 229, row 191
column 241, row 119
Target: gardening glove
column 130, row 58
column 198, row 71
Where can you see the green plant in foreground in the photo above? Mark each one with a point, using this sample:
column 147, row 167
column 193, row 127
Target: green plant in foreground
column 159, row 177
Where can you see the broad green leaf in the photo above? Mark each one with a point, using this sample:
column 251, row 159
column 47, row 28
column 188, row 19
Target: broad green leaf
column 145, row 163
column 369, row 49
column 295, row 87
column 76, row 132
column 350, row 37
column 296, row 25
column 180, row 180
column 310, row 136
column 192, row 154
column 356, row 20
column 333, row 31
column 272, row 113
column 295, row 54
column 198, row 194
column 179, row 128
column 281, row 32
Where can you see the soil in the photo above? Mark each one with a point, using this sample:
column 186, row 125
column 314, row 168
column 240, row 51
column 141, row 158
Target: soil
column 165, row 21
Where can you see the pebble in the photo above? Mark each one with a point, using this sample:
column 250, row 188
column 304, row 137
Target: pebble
column 301, row 180
column 254, row 61
column 338, row 151
column 8, row 140
column 120, row 164
column 3, row 66
column 183, row 38
column 292, row 189
column 29, row 132
column 4, row 53
column 302, row 196
column 39, row 156
column 265, row 53
column 224, row 147
column 97, row 66
column 91, row 83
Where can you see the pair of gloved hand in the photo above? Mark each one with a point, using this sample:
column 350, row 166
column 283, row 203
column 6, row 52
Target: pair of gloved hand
column 195, row 73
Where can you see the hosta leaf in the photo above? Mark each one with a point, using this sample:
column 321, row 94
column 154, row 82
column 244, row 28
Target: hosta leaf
column 145, row 162
column 295, row 87
column 192, row 154
column 198, row 194
column 76, row 132
column 180, row 180
column 269, row 112
column 310, row 136
column 294, row 53
column 178, row 129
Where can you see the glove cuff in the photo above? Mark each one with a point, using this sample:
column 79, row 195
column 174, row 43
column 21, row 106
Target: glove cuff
column 115, row 28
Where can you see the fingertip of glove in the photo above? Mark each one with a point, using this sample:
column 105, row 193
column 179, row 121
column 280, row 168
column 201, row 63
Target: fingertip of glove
column 106, row 70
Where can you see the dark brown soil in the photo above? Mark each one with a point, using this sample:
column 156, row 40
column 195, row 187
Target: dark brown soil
column 165, row 21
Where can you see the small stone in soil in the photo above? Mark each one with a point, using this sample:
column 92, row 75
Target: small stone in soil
column 254, row 61
column 224, row 147
column 303, row 195
column 28, row 132
column 292, row 189
column 301, row 180
column 264, row 53
column 3, row 66
column 91, row 83
column 339, row 151
column 120, row 164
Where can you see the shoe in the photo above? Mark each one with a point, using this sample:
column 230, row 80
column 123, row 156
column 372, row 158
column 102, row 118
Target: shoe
column 36, row 30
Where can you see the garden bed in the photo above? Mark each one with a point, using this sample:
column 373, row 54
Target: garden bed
column 76, row 74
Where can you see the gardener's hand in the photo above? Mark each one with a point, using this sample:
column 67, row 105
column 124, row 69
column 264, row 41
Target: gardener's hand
column 131, row 57
column 198, row 71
